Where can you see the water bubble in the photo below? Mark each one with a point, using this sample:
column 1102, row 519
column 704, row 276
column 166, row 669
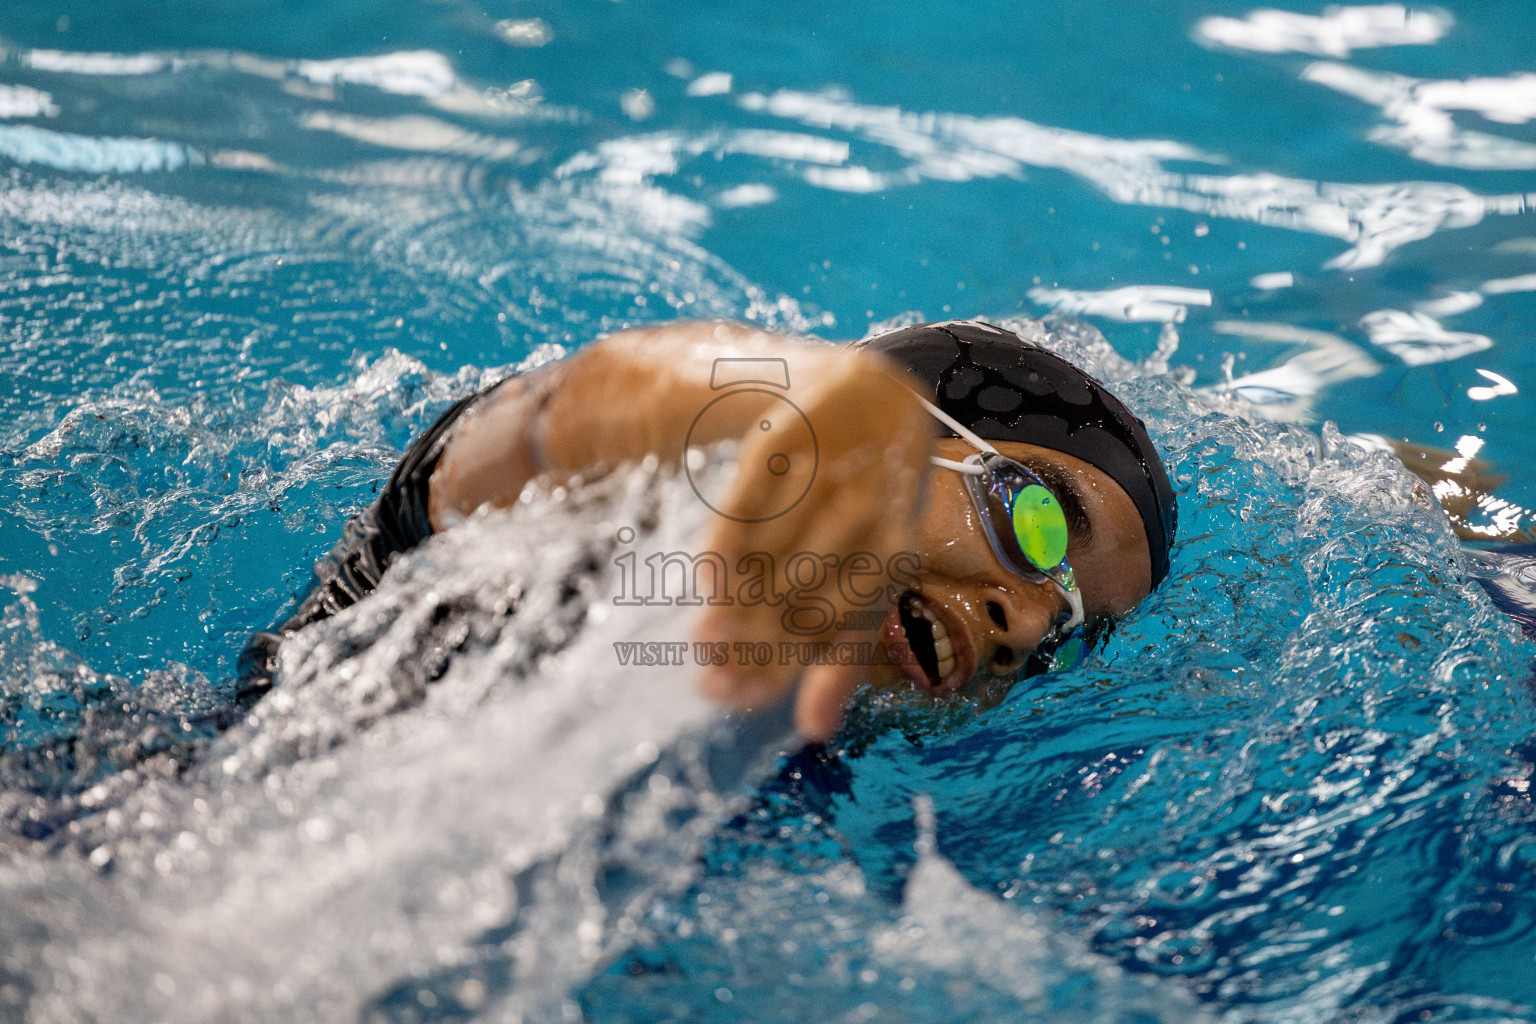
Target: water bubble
column 1178, row 886
column 1177, row 952
column 1483, row 923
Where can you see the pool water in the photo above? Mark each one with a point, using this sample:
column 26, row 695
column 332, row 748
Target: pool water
column 246, row 253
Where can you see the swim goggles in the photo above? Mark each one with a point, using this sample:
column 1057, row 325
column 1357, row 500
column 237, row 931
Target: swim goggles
column 1023, row 520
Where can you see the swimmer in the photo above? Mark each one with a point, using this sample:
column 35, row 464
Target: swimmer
column 1506, row 547
column 1022, row 502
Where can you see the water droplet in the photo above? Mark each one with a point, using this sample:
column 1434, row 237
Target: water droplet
column 1177, row 952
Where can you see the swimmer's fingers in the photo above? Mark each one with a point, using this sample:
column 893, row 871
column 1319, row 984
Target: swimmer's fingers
column 741, row 689
column 763, row 658
column 820, row 704
column 829, row 583
column 823, row 700
column 824, row 552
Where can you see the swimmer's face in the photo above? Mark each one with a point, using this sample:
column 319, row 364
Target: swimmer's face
column 991, row 617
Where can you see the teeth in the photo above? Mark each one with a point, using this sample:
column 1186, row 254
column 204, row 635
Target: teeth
column 922, row 609
column 943, row 646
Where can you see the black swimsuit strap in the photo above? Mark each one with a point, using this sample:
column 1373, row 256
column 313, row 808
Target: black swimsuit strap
column 395, row 523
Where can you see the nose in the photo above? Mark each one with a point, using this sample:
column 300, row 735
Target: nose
column 1018, row 618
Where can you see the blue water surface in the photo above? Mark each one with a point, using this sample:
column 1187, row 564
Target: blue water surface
column 248, row 252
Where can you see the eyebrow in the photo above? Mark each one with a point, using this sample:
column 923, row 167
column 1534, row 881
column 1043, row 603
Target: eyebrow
column 1064, row 486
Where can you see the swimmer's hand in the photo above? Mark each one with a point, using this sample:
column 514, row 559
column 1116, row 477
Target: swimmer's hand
column 654, row 391
column 831, row 548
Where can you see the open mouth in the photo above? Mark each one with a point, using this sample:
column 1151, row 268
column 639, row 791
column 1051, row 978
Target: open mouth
column 937, row 650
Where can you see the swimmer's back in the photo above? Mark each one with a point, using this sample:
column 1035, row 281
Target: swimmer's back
column 395, row 523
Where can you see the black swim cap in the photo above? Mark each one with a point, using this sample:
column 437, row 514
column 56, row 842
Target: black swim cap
column 1007, row 389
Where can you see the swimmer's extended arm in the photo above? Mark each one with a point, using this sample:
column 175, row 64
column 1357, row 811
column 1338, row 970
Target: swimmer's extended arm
column 632, row 394
column 639, row 392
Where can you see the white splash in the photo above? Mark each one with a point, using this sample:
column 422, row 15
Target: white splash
column 624, row 170
column 1505, row 285
column 753, row 194
column 1375, row 219
column 103, row 206
column 412, row 132
column 1501, row 386
column 1467, row 447
column 797, row 146
column 1508, row 100
column 422, row 73
column 1421, row 122
column 96, row 63
column 1460, row 301
column 22, row 101
column 628, row 167
column 853, row 178
column 349, row 807
column 1450, row 303
column 244, row 160
column 1140, row 302
column 525, row 31
column 407, row 73
column 1286, row 392
column 1418, row 339
column 518, row 100
column 716, row 83
column 955, row 147
column 949, row 926
column 637, row 104
column 26, row 144
column 1335, row 33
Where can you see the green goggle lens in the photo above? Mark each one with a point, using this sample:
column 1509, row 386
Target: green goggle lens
column 1040, row 526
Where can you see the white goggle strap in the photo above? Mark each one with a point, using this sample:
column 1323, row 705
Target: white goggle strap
column 968, row 468
column 955, row 425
